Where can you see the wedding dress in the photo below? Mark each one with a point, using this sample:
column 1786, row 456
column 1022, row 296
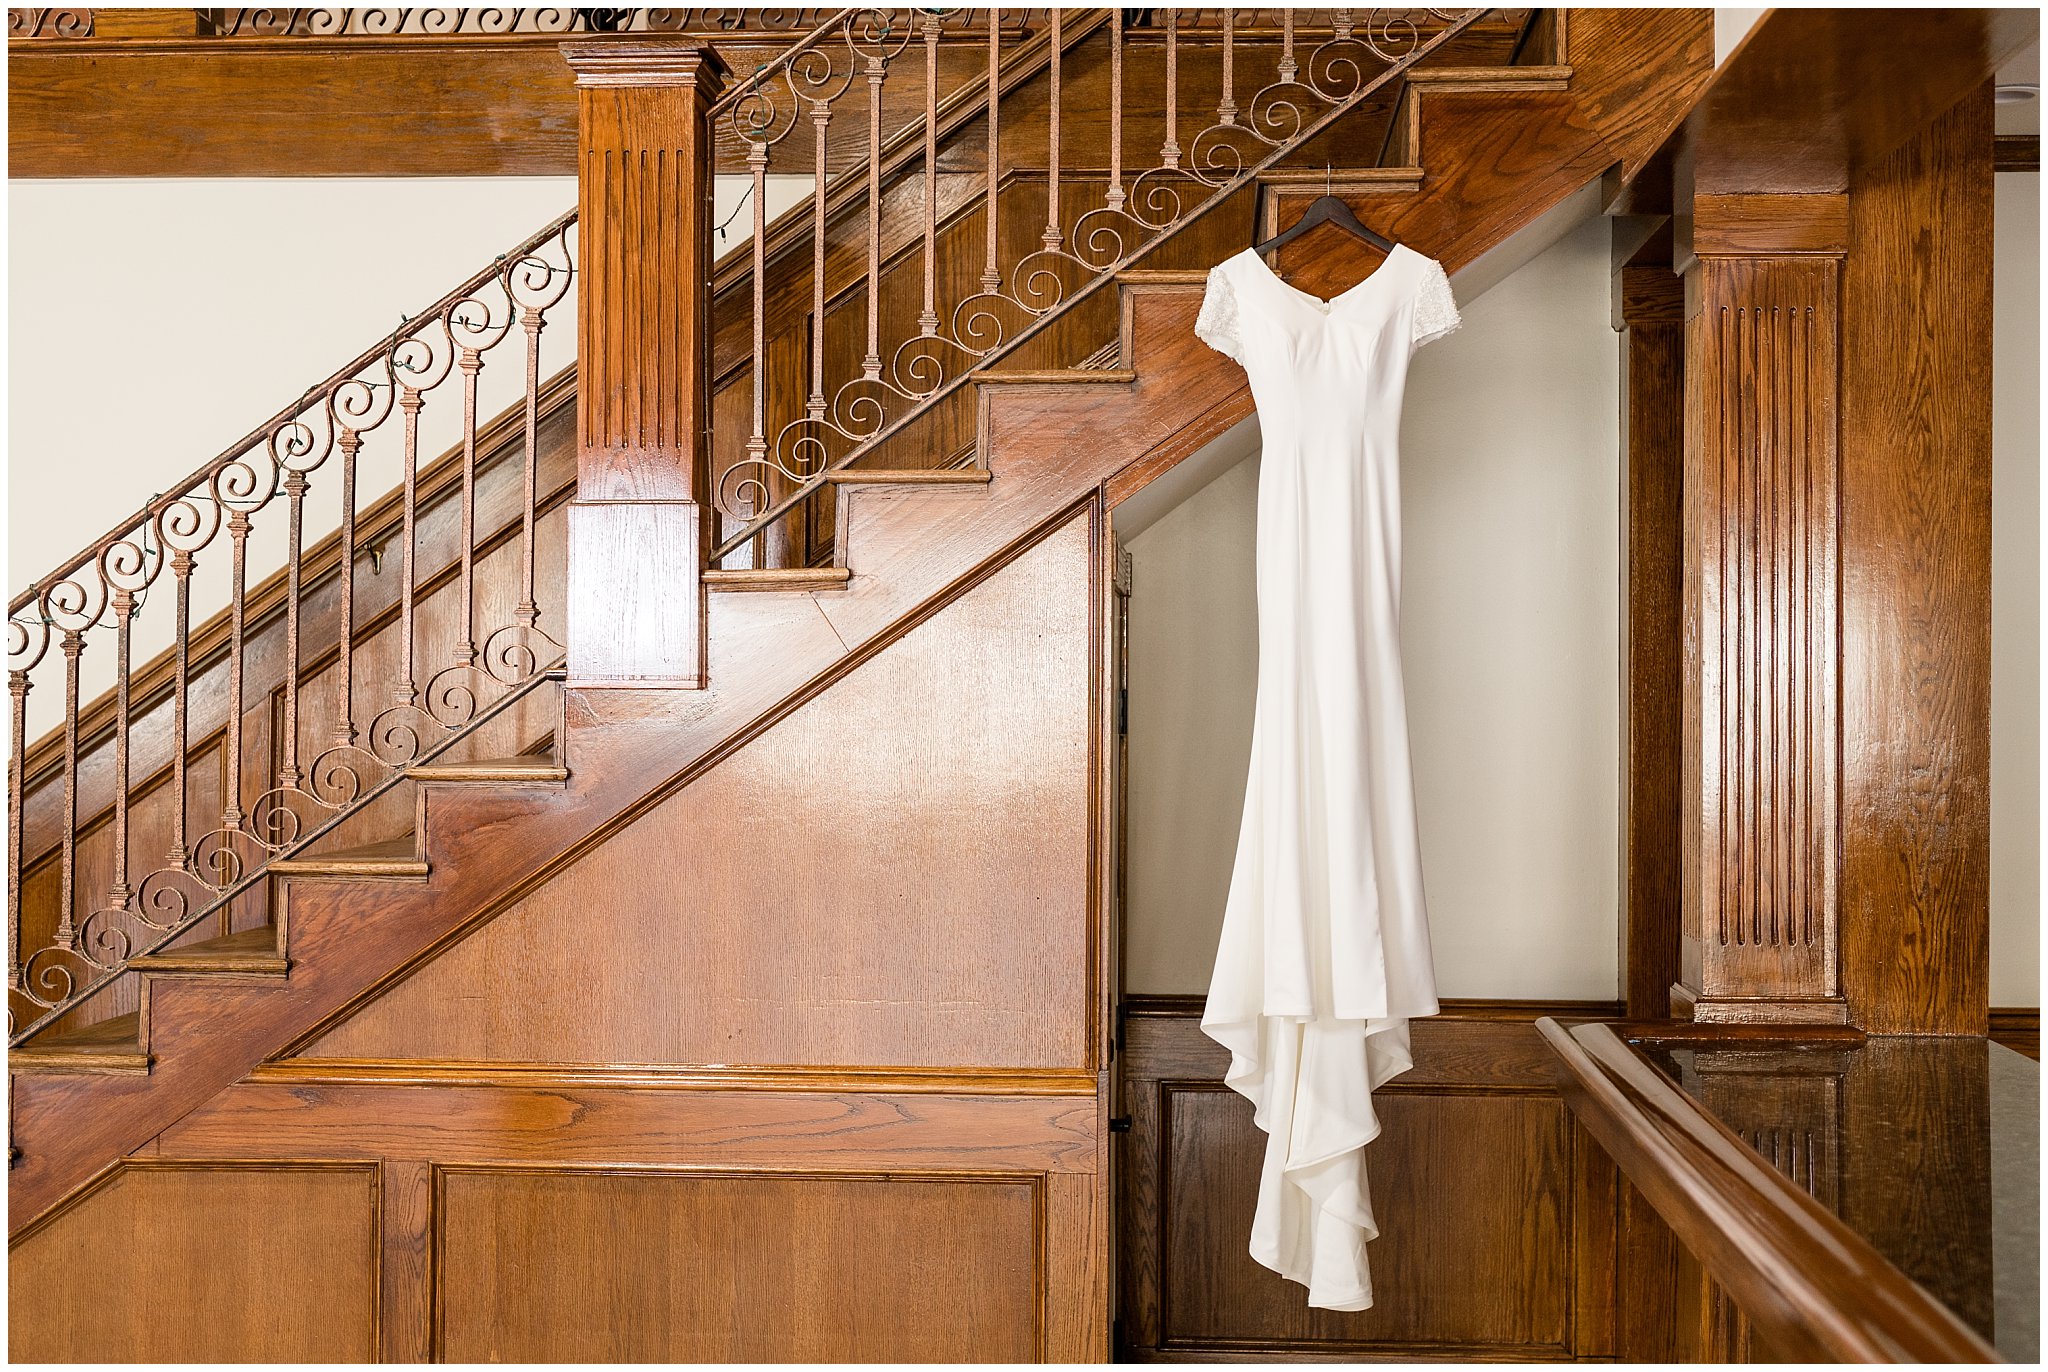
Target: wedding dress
column 1325, row 950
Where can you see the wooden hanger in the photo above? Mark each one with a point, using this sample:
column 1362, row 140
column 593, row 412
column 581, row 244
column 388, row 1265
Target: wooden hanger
column 1326, row 209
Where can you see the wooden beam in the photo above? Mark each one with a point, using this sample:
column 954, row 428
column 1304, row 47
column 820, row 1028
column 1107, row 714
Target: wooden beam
column 1813, row 94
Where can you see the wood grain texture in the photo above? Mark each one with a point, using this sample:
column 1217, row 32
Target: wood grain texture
column 1760, row 722
column 406, row 1262
column 1496, row 1223
column 1649, row 304
column 948, row 926
column 1812, row 96
column 911, row 554
column 639, row 531
column 1802, row 1281
column 1916, row 584
column 546, row 1265
column 270, row 1262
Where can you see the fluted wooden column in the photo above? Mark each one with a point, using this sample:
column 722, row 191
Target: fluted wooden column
column 639, row 529
column 1761, row 725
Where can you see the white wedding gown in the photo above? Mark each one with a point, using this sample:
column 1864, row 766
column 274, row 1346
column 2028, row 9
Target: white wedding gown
column 1325, row 950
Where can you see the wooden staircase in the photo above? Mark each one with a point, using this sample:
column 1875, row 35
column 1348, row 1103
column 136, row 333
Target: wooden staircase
column 1470, row 157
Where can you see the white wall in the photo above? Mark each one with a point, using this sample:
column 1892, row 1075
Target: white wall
column 1510, row 503
column 155, row 321
column 2016, row 593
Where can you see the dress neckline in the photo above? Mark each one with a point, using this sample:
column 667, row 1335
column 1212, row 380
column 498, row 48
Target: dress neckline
column 1322, row 305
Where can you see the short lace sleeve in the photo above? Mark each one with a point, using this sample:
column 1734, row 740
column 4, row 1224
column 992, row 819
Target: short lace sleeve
column 1216, row 325
column 1436, row 310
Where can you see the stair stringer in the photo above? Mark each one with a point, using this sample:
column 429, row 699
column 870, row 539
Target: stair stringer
column 1497, row 161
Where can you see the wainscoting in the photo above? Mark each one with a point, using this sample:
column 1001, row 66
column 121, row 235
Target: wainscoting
column 1497, row 1212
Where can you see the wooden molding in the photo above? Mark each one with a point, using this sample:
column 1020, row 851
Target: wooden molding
column 1760, row 722
column 2016, row 152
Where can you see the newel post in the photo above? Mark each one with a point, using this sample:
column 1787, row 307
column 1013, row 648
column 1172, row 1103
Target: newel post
column 639, row 528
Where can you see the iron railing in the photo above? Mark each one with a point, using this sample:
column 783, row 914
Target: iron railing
column 256, row 735
column 1160, row 167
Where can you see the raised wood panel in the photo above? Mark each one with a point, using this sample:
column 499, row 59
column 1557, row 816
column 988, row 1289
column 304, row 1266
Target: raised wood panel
column 1472, row 1195
column 566, row 1266
column 1916, row 584
column 1760, row 725
column 898, row 873
column 1496, row 1215
column 200, row 1263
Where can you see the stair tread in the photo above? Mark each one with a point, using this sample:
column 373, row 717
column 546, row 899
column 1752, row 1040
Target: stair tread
column 1512, row 76
column 251, row 950
column 910, row 476
column 1094, row 376
column 109, row 1046
column 777, row 578
column 393, row 857
column 1166, row 276
column 491, row 769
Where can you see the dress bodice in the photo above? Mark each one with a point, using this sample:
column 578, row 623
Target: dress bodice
column 1347, row 355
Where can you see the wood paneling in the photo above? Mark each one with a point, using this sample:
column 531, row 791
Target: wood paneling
column 203, row 1262
column 895, row 874
column 634, row 1215
column 562, row 1266
column 1500, row 160
column 1916, row 584
column 1761, row 633
column 1649, row 310
column 1496, row 1216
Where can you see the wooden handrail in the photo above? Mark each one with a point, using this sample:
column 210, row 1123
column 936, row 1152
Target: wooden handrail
column 1811, row 1285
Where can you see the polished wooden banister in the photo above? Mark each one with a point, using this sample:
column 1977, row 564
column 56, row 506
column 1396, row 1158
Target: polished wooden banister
column 1808, row 1283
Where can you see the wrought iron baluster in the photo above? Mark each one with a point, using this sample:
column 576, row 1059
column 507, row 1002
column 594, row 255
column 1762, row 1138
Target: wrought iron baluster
column 877, row 69
column 350, row 444
column 821, row 123
column 67, row 880
column 472, row 365
column 928, row 322
column 180, row 855
column 991, row 277
column 1053, row 233
column 757, row 165
column 1169, row 152
column 407, row 690
column 295, row 499
column 1115, row 195
column 1226, row 108
column 531, row 320
column 124, row 607
column 238, row 629
column 18, row 688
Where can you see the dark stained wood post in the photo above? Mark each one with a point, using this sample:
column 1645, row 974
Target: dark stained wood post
column 1762, row 624
column 1649, row 313
column 639, row 530
column 1916, row 582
